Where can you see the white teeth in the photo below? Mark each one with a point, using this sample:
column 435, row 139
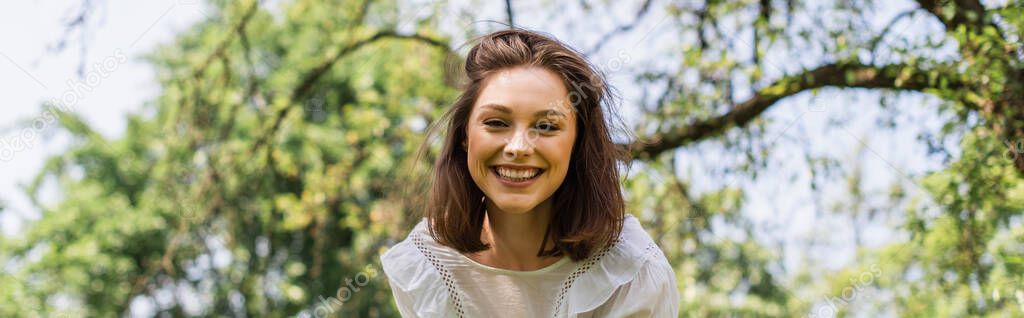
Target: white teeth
column 517, row 174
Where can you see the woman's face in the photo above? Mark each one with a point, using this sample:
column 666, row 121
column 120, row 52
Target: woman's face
column 520, row 136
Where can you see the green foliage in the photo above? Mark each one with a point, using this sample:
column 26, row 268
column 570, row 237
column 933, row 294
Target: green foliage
column 279, row 162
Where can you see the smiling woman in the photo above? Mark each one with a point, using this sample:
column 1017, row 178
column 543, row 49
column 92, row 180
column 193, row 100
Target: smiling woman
column 526, row 216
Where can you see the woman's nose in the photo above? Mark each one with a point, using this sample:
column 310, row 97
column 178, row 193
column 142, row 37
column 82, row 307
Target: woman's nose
column 521, row 145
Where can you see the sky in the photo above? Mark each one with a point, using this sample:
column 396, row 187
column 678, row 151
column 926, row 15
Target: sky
column 117, row 81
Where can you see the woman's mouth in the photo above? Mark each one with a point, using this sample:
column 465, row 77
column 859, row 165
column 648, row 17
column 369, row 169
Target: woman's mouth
column 516, row 176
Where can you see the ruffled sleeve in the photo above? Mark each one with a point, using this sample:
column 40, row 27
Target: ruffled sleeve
column 418, row 288
column 651, row 293
column 403, row 300
column 631, row 279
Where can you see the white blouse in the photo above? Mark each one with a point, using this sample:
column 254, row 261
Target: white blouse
column 631, row 278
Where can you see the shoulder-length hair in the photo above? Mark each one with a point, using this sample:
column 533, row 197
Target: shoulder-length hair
column 588, row 207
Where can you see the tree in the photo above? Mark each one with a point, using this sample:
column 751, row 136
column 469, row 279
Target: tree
column 278, row 162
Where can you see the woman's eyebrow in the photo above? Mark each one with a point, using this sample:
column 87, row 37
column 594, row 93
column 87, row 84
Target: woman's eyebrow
column 540, row 113
column 498, row 107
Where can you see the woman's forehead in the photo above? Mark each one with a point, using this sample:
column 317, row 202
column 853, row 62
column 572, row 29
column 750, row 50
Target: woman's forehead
column 524, row 89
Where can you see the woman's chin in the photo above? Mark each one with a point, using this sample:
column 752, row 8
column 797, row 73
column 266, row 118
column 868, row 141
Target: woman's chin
column 514, row 207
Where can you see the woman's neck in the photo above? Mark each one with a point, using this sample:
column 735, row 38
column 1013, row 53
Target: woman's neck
column 515, row 238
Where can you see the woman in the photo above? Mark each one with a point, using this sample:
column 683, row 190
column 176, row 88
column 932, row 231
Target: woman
column 525, row 216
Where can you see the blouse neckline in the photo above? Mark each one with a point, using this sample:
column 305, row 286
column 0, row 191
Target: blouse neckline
column 429, row 271
column 542, row 270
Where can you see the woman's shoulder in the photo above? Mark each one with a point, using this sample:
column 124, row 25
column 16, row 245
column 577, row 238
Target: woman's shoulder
column 634, row 240
column 627, row 262
column 413, row 268
column 634, row 247
column 405, row 262
column 419, row 260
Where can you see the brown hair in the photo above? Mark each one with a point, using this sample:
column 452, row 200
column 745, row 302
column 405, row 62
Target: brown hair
column 588, row 209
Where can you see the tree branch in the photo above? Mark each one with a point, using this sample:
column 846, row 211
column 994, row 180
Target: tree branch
column 965, row 12
column 895, row 76
column 644, row 8
column 313, row 76
column 873, row 45
column 79, row 22
column 763, row 20
column 508, row 11
column 239, row 29
column 969, row 13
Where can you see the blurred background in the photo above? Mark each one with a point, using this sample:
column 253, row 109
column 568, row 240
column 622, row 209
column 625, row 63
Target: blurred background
column 255, row 158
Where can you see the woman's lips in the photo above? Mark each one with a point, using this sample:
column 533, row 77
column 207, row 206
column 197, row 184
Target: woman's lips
column 512, row 183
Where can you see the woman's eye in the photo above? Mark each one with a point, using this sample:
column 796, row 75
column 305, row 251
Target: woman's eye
column 495, row 123
column 547, row 127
